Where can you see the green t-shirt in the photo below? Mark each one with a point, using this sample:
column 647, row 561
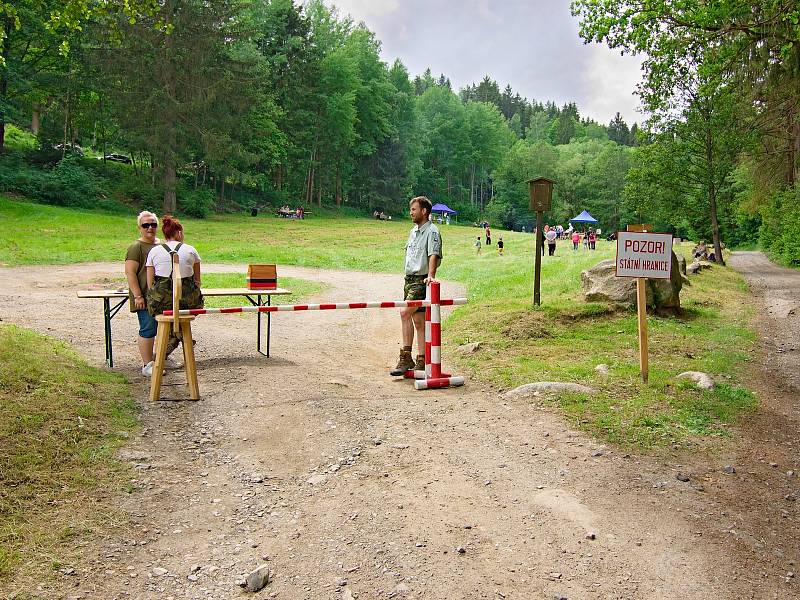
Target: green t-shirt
column 138, row 252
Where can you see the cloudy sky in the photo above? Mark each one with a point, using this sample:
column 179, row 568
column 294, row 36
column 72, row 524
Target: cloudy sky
column 532, row 45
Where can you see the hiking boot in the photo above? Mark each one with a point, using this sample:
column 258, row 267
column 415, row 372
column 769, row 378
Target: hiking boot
column 172, row 344
column 406, row 363
column 419, row 364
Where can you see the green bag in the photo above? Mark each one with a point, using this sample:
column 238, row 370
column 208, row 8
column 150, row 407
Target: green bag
column 159, row 297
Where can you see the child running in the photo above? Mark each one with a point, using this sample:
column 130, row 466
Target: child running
column 500, row 245
column 478, row 244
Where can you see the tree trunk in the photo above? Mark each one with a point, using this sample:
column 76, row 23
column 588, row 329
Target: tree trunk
column 712, row 195
column 795, row 155
column 338, row 187
column 170, row 200
column 8, row 27
column 472, row 185
column 35, row 120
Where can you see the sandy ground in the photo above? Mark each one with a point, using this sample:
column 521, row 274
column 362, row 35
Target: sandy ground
column 350, row 484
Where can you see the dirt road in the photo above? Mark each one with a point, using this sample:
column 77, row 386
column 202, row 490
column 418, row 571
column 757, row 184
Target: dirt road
column 350, row 484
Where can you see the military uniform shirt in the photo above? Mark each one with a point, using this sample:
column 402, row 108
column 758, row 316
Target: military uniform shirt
column 423, row 242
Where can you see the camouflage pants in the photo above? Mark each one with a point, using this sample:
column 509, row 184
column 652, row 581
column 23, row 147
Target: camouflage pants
column 415, row 289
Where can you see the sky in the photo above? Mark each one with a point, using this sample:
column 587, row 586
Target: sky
column 532, row 45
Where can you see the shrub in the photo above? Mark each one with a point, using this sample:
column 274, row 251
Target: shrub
column 69, row 184
column 780, row 228
column 195, row 203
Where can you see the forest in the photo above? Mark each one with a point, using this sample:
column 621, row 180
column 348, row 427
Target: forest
column 192, row 106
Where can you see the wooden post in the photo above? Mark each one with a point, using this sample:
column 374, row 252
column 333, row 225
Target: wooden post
column 537, row 276
column 641, row 309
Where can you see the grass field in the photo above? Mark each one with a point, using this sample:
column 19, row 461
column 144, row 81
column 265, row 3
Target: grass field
column 563, row 340
column 60, row 422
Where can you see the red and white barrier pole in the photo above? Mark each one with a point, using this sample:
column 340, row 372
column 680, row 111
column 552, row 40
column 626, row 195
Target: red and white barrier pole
column 303, row 307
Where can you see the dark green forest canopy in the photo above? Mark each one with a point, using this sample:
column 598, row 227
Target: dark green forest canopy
column 235, row 104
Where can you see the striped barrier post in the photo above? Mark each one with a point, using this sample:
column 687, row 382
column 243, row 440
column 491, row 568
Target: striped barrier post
column 433, row 339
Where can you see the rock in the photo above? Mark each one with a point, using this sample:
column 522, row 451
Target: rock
column 701, row 380
column 682, row 477
column 347, row 594
column 602, row 369
column 600, row 284
column 470, row 347
column 791, row 474
column 316, row 479
column 666, row 293
column 461, row 550
column 681, row 263
column 548, row 387
column 341, row 582
column 399, row 446
column 401, row 589
column 136, row 456
column 256, row 478
column 729, row 469
column 591, row 536
column 257, row 579
column 159, row 571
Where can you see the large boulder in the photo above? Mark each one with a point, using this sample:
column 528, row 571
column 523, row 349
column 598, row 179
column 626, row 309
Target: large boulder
column 600, row 284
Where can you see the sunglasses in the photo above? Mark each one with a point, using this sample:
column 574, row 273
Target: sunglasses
column 149, row 225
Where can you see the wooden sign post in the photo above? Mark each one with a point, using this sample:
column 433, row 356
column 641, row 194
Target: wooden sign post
column 643, row 255
column 541, row 195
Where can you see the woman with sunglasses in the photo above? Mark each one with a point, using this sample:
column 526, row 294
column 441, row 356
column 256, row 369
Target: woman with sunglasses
column 136, row 273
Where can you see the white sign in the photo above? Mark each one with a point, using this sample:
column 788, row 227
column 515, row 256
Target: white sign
column 647, row 255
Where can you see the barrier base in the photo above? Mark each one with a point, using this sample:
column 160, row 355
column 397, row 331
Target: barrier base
column 439, row 382
column 420, row 375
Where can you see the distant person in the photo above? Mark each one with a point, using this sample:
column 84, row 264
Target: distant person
column 478, row 244
column 523, row 229
column 700, row 251
column 423, row 255
column 160, row 274
column 488, row 233
column 592, row 239
column 500, row 245
column 447, row 219
column 136, row 274
column 551, row 235
column 585, row 237
column 576, row 240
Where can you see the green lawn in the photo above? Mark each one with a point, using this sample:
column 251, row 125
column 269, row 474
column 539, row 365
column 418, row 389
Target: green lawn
column 564, row 339
column 60, row 422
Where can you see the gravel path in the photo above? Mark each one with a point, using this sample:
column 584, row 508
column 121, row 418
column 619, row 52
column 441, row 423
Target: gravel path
column 350, row 484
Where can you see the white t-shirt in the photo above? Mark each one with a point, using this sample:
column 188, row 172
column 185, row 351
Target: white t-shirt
column 551, row 236
column 159, row 259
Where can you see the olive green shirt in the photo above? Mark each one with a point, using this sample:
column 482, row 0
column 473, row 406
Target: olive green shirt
column 138, row 251
column 423, row 242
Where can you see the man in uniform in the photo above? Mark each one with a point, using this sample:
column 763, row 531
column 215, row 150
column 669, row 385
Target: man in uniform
column 423, row 255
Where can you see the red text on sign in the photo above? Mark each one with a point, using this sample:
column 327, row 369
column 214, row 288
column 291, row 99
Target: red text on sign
column 646, row 246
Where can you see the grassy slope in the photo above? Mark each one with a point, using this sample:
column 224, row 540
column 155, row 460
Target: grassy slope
column 60, row 422
column 562, row 340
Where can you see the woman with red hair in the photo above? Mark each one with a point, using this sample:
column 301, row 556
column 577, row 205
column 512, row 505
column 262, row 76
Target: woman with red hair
column 159, row 273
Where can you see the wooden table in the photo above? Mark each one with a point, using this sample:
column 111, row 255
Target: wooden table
column 255, row 297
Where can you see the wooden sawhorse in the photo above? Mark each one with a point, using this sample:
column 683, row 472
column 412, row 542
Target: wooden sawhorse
column 162, row 337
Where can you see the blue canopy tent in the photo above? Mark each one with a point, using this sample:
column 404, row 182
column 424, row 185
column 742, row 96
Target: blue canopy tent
column 443, row 210
column 584, row 218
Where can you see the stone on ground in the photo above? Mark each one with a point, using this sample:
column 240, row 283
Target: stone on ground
column 545, row 387
column 701, row 380
column 257, row 579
